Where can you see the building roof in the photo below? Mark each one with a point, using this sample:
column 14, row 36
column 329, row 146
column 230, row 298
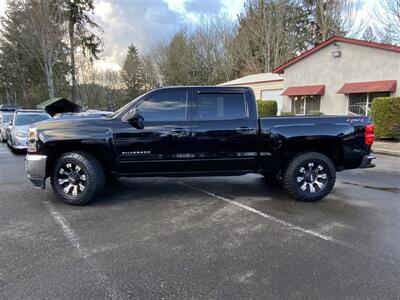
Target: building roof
column 334, row 39
column 255, row 78
column 368, row 87
column 318, row 89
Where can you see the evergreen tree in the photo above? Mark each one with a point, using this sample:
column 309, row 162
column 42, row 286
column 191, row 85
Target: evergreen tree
column 79, row 24
column 176, row 68
column 132, row 73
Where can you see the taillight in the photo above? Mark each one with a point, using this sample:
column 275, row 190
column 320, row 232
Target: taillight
column 369, row 134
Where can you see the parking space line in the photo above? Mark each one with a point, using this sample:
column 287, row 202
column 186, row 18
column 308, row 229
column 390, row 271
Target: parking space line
column 84, row 253
column 268, row 217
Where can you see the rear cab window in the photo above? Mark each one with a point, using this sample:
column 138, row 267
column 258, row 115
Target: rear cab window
column 219, row 106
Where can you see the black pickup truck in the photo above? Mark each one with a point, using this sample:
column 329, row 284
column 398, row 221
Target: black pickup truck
column 196, row 131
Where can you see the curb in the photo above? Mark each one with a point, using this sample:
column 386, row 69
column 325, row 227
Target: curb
column 386, row 152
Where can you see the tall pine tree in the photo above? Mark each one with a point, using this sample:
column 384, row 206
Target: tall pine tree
column 132, row 73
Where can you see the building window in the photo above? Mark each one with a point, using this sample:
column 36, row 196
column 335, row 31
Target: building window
column 360, row 103
column 306, row 105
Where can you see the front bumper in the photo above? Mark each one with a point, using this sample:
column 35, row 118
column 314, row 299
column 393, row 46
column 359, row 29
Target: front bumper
column 35, row 166
column 367, row 162
column 19, row 142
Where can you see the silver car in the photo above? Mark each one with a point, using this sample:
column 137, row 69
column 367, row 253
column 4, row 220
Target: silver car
column 5, row 118
column 17, row 131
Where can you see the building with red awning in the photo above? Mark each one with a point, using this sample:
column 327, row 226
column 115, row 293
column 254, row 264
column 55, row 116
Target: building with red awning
column 340, row 76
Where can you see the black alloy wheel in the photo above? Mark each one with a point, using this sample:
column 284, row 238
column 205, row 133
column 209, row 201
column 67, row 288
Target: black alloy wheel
column 309, row 177
column 77, row 177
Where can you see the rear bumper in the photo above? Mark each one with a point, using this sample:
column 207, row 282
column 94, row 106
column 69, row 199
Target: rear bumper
column 35, row 166
column 367, row 162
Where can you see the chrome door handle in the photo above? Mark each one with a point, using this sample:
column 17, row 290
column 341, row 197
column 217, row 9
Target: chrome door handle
column 244, row 129
column 179, row 130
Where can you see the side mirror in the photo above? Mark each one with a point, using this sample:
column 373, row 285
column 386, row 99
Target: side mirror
column 134, row 117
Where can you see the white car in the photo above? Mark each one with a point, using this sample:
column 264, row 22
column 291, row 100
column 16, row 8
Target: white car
column 17, row 131
column 5, row 118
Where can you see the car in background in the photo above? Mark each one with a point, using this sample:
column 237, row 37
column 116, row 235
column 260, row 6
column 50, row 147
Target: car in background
column 5, row 118
column 9, row 107
column 84, row 114
column 17, row 132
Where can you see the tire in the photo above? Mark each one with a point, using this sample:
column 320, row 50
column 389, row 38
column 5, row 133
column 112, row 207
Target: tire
column 77, row 177
column 10, row 145
column 309, row 177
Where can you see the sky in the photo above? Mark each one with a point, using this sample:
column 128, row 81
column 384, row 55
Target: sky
column 146, row 22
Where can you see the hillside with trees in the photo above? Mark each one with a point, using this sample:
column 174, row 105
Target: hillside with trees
column 48, row 47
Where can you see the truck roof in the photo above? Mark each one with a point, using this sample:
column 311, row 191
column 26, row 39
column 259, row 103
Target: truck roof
column 216, row 87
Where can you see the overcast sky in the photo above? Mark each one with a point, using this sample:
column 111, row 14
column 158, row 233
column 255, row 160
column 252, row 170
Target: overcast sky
column 145, row 22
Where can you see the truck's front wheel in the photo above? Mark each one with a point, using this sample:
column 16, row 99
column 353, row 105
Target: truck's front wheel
column 77, row 177
column 309, row 177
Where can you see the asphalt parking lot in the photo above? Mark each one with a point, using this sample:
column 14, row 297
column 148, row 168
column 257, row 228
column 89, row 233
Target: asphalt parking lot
column 218, row 237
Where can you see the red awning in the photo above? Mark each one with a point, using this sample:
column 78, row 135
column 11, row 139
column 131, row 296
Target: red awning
column 368, row 87
column 304, row 90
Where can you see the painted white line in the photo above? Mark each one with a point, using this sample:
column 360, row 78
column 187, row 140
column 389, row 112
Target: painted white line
column 84, row 253
column 68, row 232
column 269, row 217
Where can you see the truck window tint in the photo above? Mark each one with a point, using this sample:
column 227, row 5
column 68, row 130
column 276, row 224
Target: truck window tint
column 220, row 106
column 165, row 106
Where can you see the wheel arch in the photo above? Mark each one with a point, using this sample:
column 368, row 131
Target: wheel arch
column 102, row 151
column 331, row 147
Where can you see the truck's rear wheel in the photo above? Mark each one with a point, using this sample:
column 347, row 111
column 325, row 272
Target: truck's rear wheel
column 77, row 177
column 309, row 177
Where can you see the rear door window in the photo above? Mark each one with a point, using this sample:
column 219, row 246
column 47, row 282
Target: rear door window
column 220, row 106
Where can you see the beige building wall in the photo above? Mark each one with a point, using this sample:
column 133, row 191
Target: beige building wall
column 275, row 86
column 357, row 63
column 261, row 86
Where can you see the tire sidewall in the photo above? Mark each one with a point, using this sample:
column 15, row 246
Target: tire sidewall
column 90, row 187
column 291, row 177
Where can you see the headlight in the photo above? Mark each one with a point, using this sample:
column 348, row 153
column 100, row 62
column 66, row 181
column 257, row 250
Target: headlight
column 32, row 139
column 21, row 134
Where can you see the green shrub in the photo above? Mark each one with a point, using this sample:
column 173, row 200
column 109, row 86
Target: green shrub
column 267, row 108
column 287, row 114
column 316, row 113
column 385, row 112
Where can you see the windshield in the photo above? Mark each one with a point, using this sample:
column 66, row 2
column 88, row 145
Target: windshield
column 30, row 118
column 123, row 108
column 5, row 118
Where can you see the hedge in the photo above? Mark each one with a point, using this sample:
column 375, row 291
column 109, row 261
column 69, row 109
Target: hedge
column 292, row 114
column 385, row 112
column 287, row 114
column 267, row 108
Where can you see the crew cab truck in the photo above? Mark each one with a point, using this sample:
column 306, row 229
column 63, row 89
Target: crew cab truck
column 196, row 131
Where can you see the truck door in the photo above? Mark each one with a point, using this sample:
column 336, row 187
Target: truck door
column 224, row 130
column 164, row 144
